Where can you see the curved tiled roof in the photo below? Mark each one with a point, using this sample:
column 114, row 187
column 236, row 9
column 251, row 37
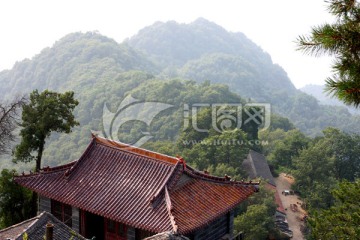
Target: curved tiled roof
column 127, row 184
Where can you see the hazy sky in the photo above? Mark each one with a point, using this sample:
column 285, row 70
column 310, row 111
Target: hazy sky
column 29, row 26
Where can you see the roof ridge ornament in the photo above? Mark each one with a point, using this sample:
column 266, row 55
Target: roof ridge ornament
column 182, row 161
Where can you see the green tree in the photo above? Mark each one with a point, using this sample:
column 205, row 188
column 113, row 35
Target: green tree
column 346, row 153
column 204, row 120
column 45, row 113
column 272, row 137
column 342, row 40
column 256, row 218
column 341, row 221
column 229, row 148
column 223, row 169
column 14, row 200
column 164, row 147
column 279, row 122
column 254, row 222
column 314, row 174
column 328, row 159
column 283, row 146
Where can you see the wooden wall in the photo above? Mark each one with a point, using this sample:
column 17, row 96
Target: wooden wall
column 45, row 205
column 217, row 229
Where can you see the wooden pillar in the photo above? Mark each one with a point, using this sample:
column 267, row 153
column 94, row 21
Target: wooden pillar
column 82, row 222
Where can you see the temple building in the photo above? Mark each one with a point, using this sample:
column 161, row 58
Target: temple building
column 117, row 191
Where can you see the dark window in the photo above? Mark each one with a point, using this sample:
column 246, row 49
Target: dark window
column 56, row 209
column 115, row 230
column 62, row 211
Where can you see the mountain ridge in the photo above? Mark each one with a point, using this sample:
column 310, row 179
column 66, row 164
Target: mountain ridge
column 183, row 44
column 318, row 92
column 101, row 71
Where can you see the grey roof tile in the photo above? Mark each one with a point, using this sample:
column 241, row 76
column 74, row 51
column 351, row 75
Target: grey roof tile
column 256, row 166
column 35, row 229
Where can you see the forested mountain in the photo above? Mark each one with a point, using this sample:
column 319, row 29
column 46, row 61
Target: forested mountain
column 317, row 91
column 76, row 60
column 167, row 62
column 203, row 51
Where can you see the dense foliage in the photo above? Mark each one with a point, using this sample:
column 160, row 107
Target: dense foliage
column 342, row 220
column 14, row 200
column 45, row 113
column 255, row 216
column 341, row 40
column 155, row 67
column 318, row 165
column 203, row 51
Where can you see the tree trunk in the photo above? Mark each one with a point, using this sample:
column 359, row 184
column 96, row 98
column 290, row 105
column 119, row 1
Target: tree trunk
column 34, row 197
column 39, row 156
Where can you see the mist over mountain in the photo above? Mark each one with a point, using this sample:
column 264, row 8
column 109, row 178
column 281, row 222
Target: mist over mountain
column 167, row 62
column 317, row 91
column 203, row 50
column 76, row 60
column 178, row 43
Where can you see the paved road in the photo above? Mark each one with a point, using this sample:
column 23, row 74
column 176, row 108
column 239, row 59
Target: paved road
column 284, row 183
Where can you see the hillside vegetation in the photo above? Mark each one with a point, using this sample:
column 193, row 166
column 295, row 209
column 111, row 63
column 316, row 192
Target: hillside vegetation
column 204, row 51
column 170, row 63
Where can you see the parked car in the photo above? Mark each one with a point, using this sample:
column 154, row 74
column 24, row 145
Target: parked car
column 287, row 192
column 282, row 224
column 280, row 218
column 288, row 233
